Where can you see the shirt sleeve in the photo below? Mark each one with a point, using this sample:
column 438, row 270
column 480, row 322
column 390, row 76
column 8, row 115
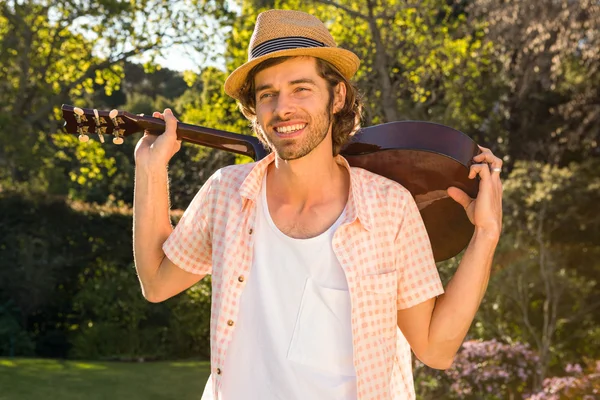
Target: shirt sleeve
column 189, row 246
column 418, row 277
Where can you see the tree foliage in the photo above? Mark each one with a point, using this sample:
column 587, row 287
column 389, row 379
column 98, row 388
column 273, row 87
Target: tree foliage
column 55, row 52
column 548, row 53
column 518, row 76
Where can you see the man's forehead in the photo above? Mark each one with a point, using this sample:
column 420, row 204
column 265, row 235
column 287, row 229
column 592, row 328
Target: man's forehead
column 289, row 71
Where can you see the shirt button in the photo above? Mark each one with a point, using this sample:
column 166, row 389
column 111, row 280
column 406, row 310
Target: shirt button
column 241, row 278
column 250, row 231
column 218, row 371
column 230, row 323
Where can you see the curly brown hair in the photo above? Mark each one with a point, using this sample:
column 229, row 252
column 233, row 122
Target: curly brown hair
column 345, row 122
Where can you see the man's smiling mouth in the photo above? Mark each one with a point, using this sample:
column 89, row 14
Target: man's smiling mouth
column 290, row 128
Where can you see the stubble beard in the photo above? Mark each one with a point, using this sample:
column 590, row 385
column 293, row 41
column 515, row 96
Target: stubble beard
column 293, row 149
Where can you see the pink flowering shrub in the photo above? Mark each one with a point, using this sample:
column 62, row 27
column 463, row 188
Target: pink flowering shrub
column 578, row 385
column 482, row 370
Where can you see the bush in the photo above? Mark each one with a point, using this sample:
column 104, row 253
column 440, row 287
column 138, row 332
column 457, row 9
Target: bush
column 67, row 269
column 189, row 327
column 14, row 341
column 118, row 323
column 481, row 370
column 580, row 384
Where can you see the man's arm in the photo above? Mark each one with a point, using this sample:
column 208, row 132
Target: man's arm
column 159, row 277
column 436, row 328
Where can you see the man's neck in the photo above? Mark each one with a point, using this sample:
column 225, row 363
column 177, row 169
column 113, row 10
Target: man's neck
column 312, row 179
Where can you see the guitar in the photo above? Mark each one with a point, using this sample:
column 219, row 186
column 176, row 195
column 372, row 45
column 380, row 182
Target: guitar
column 425, row 157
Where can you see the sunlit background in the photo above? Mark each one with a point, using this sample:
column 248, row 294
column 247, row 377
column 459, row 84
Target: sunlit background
column 518, row 76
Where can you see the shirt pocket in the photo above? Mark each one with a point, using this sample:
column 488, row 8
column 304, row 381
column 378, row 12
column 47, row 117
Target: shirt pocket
column 378, row 303
column 322, row 337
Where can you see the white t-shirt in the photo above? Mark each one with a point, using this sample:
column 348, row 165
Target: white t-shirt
column 293, row 336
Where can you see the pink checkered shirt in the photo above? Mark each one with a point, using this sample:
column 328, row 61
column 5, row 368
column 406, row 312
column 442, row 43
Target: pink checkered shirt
column 381, row 244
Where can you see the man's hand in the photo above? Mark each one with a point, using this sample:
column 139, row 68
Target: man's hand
column 153, row 150
column 485, row 212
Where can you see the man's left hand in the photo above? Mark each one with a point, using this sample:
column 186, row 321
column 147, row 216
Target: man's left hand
column 485, row 211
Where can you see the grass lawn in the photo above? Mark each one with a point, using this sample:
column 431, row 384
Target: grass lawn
column 23, row 378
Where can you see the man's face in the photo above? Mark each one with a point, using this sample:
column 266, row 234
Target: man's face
column 293, row 107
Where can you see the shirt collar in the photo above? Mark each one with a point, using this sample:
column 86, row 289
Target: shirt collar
column 355, row 208
column 357, row 205
column 250, row 188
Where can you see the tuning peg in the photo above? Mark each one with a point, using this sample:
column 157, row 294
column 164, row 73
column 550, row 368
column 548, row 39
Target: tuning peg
column 116, row 131
column 78, row 113
column 96, row 117
column 82, row 130
column 113, row 117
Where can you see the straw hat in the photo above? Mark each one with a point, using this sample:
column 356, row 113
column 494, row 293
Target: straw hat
column 280, row 33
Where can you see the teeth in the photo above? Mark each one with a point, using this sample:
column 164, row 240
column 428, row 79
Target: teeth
column 291, row 128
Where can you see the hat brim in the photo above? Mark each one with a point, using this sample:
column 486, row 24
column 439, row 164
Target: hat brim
column 344, row 60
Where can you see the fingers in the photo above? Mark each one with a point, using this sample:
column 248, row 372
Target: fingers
column 170, row 122
column 486, row 156
column 459, row 196
column 155, row 114
column 483, row 170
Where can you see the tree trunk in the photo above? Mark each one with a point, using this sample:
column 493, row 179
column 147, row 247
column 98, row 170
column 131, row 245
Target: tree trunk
column 388, row 100
column 381, row 66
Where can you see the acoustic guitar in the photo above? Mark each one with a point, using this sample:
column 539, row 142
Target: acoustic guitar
column 426, row 158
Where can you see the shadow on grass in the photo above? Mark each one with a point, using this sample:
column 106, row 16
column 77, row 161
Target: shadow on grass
column 23, row 378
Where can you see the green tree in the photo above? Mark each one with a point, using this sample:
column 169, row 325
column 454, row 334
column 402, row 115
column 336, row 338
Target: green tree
column 544, row 290
column 547, row 54
column 54, row 52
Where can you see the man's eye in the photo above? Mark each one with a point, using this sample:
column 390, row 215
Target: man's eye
column 265, row 95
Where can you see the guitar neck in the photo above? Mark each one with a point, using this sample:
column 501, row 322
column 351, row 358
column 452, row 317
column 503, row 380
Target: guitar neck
column 217, row 139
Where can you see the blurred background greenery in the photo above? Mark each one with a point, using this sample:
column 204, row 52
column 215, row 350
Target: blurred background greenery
column 520, row 77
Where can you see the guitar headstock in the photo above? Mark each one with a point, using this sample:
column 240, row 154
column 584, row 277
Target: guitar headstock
column 87, row 121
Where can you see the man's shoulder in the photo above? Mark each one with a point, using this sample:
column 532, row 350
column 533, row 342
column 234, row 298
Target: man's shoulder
column 236, row 171
column 379, row 185
column 230, row 177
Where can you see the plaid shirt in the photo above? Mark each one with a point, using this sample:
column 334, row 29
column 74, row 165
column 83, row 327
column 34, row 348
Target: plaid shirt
column 381, row 244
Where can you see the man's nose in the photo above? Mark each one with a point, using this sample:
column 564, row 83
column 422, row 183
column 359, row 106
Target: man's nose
column 284, row 106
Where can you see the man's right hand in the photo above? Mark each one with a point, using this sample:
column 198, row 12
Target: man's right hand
column 157, row 150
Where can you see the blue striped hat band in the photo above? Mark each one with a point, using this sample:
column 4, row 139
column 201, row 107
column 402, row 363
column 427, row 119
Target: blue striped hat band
column 286, row 43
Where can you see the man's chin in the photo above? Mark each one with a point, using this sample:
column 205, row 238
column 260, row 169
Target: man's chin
column 291, row 155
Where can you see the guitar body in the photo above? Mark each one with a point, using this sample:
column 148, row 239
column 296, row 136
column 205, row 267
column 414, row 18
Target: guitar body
column 426, row 158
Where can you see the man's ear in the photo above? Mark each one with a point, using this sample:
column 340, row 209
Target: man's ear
column 339, row 97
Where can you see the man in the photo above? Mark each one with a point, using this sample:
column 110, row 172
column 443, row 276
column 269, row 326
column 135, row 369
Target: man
column 323, row 276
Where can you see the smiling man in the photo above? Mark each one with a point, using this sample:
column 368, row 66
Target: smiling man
column 323, row 278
